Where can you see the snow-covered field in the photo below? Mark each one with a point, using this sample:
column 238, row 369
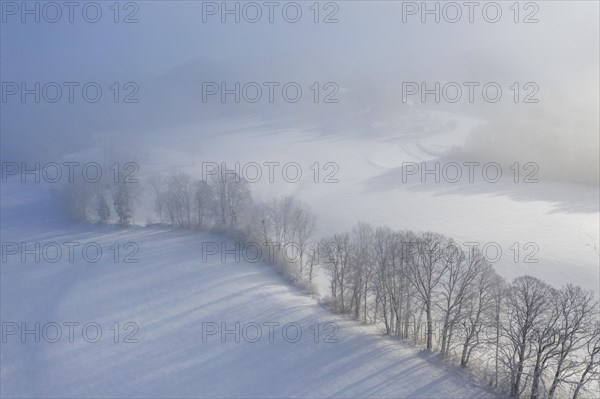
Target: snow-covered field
column 161, row 304
column 554, row 225
column 374, row 133
column 173, row 296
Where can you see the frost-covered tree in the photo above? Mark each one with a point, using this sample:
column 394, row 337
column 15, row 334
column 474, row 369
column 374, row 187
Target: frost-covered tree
column 590, row 365
column 427, row 267
column 381, row 259
column 157, row 185
column 204, row 200
column 233, row 198
column 77, row 197
column 527, row 304
column 304, row 224
column 478, row 305
column 103, row 209
column 361, row 267
column 179, row 199
column 457, row 286
column 124, row 196
column 577, row 316
column 335, row 257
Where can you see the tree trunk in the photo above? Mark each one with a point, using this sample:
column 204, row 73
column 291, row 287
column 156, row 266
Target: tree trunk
column 556, row 378
column 429, row 327
column 463, row 357
column 514, row 392
column 365, row 303
column 582, row 379
column 535, row 384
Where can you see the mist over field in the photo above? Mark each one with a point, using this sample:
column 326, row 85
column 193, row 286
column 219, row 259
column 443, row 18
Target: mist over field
column 300, row 199
column 170, row 52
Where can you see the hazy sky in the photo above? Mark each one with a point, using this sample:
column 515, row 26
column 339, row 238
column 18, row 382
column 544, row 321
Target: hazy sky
column 368, row 49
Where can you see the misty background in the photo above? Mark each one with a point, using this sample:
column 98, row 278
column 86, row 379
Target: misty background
column 368, row 54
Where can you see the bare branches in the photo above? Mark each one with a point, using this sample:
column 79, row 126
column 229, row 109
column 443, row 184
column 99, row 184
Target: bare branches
column 530, row 338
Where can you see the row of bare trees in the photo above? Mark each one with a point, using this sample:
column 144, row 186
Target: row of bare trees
column 283, row 226
column 103, row 199
column 224, row 201
column 525, row 337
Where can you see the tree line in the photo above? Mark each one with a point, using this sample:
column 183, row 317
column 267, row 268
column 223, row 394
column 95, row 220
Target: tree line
column 523, row 337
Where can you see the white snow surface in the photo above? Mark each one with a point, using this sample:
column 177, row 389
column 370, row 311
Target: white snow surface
column 169, row 294
column 555, row 225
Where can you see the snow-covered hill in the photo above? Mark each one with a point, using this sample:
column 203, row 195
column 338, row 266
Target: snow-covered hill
column 170, row 302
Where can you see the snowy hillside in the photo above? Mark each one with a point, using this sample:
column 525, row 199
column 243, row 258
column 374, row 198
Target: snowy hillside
column 166, row 298
column 300, row 199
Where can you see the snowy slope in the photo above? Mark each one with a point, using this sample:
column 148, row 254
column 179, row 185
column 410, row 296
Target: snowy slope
column 561, row 219
column 169, row 294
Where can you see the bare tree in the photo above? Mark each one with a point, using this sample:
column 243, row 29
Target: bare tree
column 545, row 341
column 276, row 222
column 77, row 197
column 157, row 183
column 479, row 303
column 531, row 331
column 288, row 224
column 233, row 197
column 336, row 252
column 179, row 199
column 498, row 294
column 576, row 309
column 203, row 201
column 361, row 245
column 124, row 196
column 103, row 208
column 591, row 362
column 382, row 255
column 304, row 224
column 313, row 255
column 426, row 269
column 398, row 288
column 527, row 301
column 455, row 288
